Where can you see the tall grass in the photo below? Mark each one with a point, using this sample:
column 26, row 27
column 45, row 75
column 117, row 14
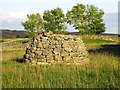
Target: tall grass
column 102, row 72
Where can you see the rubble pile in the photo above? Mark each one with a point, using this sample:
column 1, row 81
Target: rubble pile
column 54, row 48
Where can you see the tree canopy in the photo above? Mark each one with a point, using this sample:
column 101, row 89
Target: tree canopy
column 54, row 20
column 95, row 19
column 34, row 24
column 86, row 18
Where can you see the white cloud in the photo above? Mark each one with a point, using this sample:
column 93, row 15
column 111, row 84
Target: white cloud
column 12, row 16
column 14, row 11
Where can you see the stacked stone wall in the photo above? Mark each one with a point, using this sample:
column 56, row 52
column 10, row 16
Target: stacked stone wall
column 52, row 48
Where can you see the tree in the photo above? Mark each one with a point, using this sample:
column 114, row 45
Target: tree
column 54, row 20
column 77, row 17
column 86, row 18
column 95, row 20
column 33, row 25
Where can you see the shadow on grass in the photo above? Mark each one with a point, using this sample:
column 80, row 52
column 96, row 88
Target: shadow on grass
column 110, row 49
column 19, row 60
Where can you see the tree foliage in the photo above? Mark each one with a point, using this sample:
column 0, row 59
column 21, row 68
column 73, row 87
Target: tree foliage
column 86, row 18
column 33, row 25
column 76, row 17
column 54, row 20
column 95, row 19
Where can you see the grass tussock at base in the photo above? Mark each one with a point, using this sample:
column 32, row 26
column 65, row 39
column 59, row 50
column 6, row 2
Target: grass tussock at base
column 102, row 72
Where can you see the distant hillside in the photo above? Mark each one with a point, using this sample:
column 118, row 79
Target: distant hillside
column 12, row 34
column 21, row 34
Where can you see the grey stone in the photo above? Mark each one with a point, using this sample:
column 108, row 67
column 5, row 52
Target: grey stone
column 39, row 45
column 44, row 39
column 66, row 58
column 57, row 58
column 64, row 53
column 47, row 52
column 26, row 56
column 33, row 61
column 32, row 55
column 42, row 59
column 38, row 52
column 45, row 45
column 49, row 58
column 52, row 48
column 56, row 51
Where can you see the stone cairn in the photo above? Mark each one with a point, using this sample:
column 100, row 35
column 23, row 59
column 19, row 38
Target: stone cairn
column 51, row 48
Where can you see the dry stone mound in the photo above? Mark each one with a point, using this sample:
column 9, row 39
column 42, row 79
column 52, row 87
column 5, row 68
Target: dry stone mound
column 54, row 48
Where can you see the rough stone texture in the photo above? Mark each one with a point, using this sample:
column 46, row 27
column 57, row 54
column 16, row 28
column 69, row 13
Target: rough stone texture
column 52, row 48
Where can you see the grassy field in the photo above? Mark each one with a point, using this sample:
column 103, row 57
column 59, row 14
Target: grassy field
column 102, row 72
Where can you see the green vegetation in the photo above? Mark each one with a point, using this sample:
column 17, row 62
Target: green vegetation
column 3, row 40
column 96, row 41
column 87, row 19
column 24, row 41
column 60, row 76
column 102, row 72
column 54, row 20
column 33, row 25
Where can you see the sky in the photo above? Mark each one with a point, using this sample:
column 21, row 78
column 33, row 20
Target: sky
column 13, row 12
